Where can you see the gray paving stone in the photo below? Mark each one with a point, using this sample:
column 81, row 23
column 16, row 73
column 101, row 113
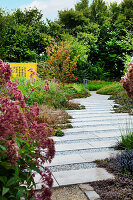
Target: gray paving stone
column 98, row 123
column 86, row 187
column 91, row 157
column 92, row 195
column 97, row 115
column 95, row 128
column 102, row 118
column 78, row 137
column 67, row 159
column 103, row 144
column 76, row 146
column 81, row 176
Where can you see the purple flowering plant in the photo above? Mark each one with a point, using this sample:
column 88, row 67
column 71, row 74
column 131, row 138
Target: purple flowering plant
column 25, row 144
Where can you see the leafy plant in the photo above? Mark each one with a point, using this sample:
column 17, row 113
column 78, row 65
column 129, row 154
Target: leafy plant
column 127, row 80
column 125, row 161
column 59, row 64
column 22, row 139
column 59, row 133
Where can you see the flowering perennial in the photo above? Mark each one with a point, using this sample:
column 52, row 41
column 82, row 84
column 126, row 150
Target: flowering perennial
column 127, row 81
column 24, row 144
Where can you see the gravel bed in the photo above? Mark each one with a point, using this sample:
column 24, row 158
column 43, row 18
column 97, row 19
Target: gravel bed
column 84, row 151
column 76, row 166
column 88, row 140
column 72, row 192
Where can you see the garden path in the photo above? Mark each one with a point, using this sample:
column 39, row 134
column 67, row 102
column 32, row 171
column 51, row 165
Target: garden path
column 95, row 131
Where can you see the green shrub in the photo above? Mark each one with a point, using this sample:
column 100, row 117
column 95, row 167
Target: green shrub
column 126, row 140
column 113, row 89
column 59, row 132
column 97, row 84
column 54, row 97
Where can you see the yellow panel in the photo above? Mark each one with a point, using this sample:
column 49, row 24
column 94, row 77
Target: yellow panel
column 21, row 69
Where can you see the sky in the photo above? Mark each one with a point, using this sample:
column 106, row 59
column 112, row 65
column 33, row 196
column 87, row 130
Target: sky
column 49, row 7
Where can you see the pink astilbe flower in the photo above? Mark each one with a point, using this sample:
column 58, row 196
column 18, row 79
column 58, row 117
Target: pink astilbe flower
column 127, row 81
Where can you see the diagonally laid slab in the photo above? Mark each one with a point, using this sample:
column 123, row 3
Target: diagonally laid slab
column 81, row 176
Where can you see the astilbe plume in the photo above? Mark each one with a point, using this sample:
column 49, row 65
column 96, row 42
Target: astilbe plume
column 17, row 120
column 127, row 80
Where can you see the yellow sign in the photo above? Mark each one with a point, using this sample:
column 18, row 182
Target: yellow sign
column 22, row 69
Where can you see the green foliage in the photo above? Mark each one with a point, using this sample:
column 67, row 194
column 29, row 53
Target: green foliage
column 59, row 133
column 54, row 97
column 59, row 64
column 126, row 138
column 97, row 84
column 100, row 34
column 113, row 89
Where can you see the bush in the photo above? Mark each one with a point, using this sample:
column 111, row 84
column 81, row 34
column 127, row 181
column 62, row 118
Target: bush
column 59, row 64
column 55, row 96
column 97, row 84
column 22, row 140
column 113, row 89
column 125, row 161
column 127, row 81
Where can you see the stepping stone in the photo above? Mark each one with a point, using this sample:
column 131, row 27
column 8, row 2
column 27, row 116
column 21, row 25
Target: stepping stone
column 70, row 177
column 80, row 158
column 67, row 159
column 89, row 129
column 98, row 123
column 73, row 146
column 101, row 118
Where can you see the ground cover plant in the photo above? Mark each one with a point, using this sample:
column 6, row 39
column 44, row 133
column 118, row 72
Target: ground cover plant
column 121, row 187
column 22, row 139
column 76, row 90
column 57, row 95
column 94, row 85
column 56, row 118
column 119, row 95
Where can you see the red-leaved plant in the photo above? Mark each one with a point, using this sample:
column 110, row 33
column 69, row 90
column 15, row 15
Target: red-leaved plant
column 59, row 64
column 24, row 144
column 127, row 80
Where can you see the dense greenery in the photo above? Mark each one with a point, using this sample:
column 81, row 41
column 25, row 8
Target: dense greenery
column 99, row 34
column 57, row 96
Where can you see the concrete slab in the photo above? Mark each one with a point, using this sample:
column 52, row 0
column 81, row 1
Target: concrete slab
column 102, row 118
column 66, row 159
column 103, row 144
column 91, row 157
column 92, row 195
column 81, row 176
column 99, row 123
column 79, row 137
column 72, row 146
column 95, row 128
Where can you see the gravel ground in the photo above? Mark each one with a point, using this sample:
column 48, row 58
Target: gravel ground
column 72, row 167
column 68, row 193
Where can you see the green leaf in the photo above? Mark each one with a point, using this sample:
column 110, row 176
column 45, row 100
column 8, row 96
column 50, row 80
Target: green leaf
column 3, row 179
column 4, row 191
column 3, row 198
column 11, row 181
column 20, row 87
column 2, row 147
